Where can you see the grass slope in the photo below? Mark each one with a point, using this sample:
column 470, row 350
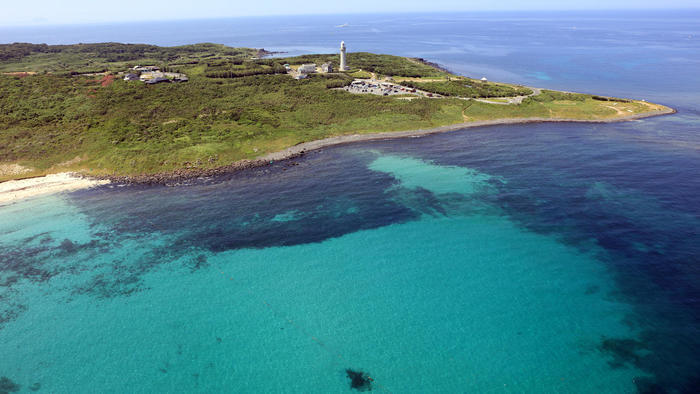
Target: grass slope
column 54, row 121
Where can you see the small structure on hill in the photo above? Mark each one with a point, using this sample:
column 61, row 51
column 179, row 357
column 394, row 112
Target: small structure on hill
column 483, row 79
column 307, row 68
column 158, row 76
column 148, row 75
column 157, row 80
column 327, row 67
column 343, row 61
column 145, row 68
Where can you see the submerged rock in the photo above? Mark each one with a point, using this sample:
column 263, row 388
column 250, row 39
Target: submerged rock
column 359, row 380
column 8, row 386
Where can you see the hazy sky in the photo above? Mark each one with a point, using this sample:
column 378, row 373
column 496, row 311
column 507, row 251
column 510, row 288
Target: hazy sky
column 44, row 12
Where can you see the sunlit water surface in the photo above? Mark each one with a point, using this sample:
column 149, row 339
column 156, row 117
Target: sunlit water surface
column 522, row 258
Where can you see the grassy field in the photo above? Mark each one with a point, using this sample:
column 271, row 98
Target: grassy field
column 55, row 120
column 87, row 58
column 465, row 87
column 585, row 109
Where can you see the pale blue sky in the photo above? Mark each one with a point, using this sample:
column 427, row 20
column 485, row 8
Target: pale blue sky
column 45, row 12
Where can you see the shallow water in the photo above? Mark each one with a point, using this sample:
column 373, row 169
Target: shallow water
column 520, row 258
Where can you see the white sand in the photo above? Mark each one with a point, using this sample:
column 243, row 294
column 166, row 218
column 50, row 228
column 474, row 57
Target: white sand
column 12, row 191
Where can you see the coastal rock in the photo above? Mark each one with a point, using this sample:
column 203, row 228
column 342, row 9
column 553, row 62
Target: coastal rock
column 178, row 176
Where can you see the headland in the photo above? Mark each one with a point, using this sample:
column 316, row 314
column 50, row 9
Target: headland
column 143, row 113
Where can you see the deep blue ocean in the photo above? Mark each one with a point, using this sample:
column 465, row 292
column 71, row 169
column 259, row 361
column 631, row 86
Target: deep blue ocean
column 538, row 258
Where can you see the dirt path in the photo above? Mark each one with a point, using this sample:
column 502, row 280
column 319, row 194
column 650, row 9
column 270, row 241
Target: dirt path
column 512, row 100
column 616, row 110
column 422, row 79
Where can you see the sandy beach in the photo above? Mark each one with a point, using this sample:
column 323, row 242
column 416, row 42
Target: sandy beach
column 12, row 191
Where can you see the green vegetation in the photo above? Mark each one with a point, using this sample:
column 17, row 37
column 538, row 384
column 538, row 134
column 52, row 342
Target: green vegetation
column 110, row 56
column 551, row 95
column 559, row 105
column 393, row 65
column 359, row 74
column 233, row 107
column 387, row 65
column 464, row 87
column 236, row 69
column 129, row 128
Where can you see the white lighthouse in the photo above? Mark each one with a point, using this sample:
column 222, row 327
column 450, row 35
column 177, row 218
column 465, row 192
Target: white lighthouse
column 343, row 62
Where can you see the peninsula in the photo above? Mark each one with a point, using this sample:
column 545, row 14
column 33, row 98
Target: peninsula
column 129, row 111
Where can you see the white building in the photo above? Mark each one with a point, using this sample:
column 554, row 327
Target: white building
column 327, row 67
column 483, row 79
column 343, row 61
column 307, row 68
column 145, row 68
column 146, row 76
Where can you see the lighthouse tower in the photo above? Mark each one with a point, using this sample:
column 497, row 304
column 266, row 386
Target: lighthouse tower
column 343, row 62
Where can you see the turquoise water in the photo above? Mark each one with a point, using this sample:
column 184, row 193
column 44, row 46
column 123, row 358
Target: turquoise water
column 462, row 299
column 519, row 259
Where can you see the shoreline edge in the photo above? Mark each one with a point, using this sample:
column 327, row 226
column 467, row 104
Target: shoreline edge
column 19, row 189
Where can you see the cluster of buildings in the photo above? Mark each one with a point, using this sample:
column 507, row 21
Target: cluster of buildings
column 309, row 68
column 152, row 75
column 364, row 86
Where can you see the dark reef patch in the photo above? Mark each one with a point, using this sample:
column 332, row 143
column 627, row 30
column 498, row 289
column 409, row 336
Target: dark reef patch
column 359, row 380
column 9, row 311
column 43, row 238
column 23, row 263
column 198, row 262
column 609, row 197
column 68, row 246
column 646, row 385
column 94, row 246
column 624, row 351
column 679, row 376
column 38, row 263
column 108, row 286
column 8, row 386
column 239, row 211
column 35, row 386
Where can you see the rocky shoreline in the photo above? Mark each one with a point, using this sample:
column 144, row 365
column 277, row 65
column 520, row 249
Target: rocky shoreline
column 433, row 65
column 262, row 52
column 178, row 176
column 172, row 178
